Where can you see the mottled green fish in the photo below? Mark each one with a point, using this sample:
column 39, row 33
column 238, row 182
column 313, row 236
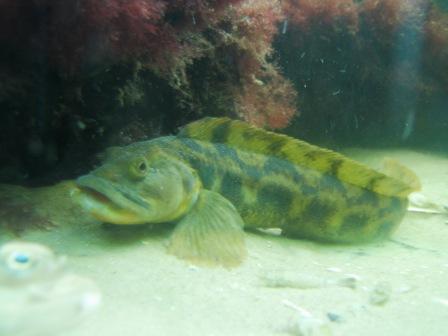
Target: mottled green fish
column 218, row 176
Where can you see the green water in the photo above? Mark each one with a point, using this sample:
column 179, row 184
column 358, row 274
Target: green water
column 365, row 78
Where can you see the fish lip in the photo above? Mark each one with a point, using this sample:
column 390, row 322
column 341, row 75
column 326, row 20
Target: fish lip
column 95, row 186
column 105, row 191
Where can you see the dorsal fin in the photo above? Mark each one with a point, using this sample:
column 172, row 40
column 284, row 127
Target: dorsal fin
column 242, row 136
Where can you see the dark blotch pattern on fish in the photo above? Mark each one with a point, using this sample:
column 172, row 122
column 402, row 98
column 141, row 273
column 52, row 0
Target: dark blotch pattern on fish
column 386, row 228
column 193, row 145
column 318, row 212
column 221, row 132
column 308, row 190
column 354, row 222
column 312, row 155
column 331, row 183
column 273, row 165
column 253, row 173
column 372, row 183
column 231, row 187
column 394, row 204
column 365, row 197
column 276, row 147
column 229, row 154
column 277, row 196
column 334, row 167
column 393, row 213
column 206, row 172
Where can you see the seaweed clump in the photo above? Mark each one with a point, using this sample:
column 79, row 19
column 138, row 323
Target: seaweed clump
column 80, row 75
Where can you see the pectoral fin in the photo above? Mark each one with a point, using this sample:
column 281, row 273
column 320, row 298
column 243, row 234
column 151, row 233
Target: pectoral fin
column 210, row 234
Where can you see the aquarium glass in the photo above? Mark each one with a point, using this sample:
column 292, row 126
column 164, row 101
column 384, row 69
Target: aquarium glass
column 223, row 167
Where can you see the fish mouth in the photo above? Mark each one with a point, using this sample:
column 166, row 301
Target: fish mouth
column 109, row 202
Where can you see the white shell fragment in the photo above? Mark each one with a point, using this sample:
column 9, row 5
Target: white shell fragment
column 421, row 203
column 442, row 301
column 38, row 296
column 306, row 324
column 302, row 281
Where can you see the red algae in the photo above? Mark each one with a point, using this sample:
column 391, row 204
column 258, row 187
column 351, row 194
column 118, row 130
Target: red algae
column 305, row 13
column 266, row 99
column 87, row 70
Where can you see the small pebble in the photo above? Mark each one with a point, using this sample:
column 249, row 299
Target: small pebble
column 349, row 282
column 380, row 294
column 334, row 317
column 272, row 231
column 311, row 326
column 306, row 324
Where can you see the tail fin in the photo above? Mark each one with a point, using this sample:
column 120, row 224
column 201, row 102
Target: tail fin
column 399, row 172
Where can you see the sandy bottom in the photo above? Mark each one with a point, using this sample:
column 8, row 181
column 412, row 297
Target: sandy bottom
column 396, row 287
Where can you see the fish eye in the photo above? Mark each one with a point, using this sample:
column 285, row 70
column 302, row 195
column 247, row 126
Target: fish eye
column 142, row 166
column 139, row 168
column 19, row 261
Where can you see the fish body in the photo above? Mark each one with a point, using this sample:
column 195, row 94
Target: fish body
column 218, row 176
column 272, row 192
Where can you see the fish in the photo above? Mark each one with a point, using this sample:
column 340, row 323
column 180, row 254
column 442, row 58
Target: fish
column 22, row 263
column 38, row 294
column 218, row 177
column 47, row 207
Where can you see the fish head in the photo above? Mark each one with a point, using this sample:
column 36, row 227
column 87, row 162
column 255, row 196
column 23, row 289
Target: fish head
column 24, row 262
column 138, row 186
